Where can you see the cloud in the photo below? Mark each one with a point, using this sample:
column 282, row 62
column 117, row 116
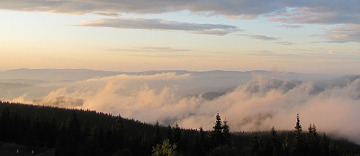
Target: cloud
column 159, row 52
column 343, row 34
column 292, row 26
column 267, row 38
column 262, row 103
column 108, row 14
column 166, row 49
column 308, row 15
column 285, row 43
column 158, row 24
column 328, row 61
column 255, row 105
column 152, row 49
column 273, row 54
column 289, row 12
column 318, row 12
column 228, row 7
column 315, row 11
column 261, row 37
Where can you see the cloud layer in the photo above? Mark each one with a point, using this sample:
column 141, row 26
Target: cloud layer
column 256, row 105
column 158, row 24
column 227, row 7
column 308, row 11
column 289, row 12
column 345, row 33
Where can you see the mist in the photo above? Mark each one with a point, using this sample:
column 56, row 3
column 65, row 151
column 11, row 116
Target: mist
column 251, row 101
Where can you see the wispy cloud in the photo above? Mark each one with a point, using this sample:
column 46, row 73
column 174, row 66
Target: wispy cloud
column 260, row 37
column 292, row 26
column 267, row 38
column 151, row 49
column 343, row 34
column 319, row 12
column 328, row 61
column 285, row 43
column 159, row 24
column 165, row 49
column 273, row 54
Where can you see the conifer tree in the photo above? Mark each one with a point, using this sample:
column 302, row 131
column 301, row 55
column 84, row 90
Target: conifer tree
column 274, row 141
column 314, row 131
column 312, row 140
column 216, row 135
column 298, row 126
column 5, row 124
column 176, row 134
column 118, row 132
column 286, row 145
column 183, row 143
column 255, row 145
column 309, row 140
column 201, row 143
column 169, row 133
column 273, row 135
column 298, row 142
column 157, row 137
column 310, row 130
column 333, row 149
column 324, row 145
column 226, row 134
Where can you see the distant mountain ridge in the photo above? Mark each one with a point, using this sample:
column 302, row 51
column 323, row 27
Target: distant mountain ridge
column 54, row 75
column 37, row 83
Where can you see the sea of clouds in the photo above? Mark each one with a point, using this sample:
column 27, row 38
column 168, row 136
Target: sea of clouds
column 254, row 104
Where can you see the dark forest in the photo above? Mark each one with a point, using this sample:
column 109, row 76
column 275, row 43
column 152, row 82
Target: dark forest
column 43, row 130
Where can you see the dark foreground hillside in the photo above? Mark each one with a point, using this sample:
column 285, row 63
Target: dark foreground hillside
column 40, row 130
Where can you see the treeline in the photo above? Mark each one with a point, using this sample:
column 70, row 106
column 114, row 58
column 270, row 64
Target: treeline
column 85, row 132
column 294, row 143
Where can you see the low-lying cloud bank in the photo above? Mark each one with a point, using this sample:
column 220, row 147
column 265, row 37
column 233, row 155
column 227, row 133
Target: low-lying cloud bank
column 256, row 105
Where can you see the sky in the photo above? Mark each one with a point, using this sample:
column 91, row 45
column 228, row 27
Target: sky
column 309, row 36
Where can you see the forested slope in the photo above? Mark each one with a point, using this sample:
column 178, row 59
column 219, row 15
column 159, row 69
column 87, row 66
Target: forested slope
column 85, row 132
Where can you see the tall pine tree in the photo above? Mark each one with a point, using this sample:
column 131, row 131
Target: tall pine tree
column 201, row 143
column 312, row 141
column 217, row 135
column 226, row 134
column 298, row 141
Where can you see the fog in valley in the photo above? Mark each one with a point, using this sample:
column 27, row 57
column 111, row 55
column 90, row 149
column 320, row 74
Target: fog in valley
column 249, row 101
